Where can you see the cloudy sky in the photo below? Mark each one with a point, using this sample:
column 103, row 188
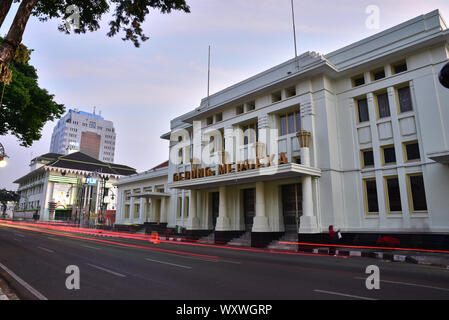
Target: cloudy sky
column 142, row 89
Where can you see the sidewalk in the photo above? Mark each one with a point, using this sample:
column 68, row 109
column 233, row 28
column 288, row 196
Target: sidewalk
column 6, row 293
column 416, row 257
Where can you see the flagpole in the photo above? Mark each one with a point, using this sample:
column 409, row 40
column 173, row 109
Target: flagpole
column 208, row 78
column 294, row 36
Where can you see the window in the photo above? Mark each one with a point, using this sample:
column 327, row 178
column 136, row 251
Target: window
column 289, row 123
column 239, row 110
column 136, row 210
column 275, row 97
column 358, row 80
column 219, row 117
column 179, row 207
column 417, row 193
column 210, row 121
column 367, row 158
column 92, row 124
column 250, row 132
column 393, row 195
column 383, row 106
column 250, row 106
column 186, row 206
column 371, row 201
column 399, row 67
column 378, row 74
column 127, row 211
column 362, row 110
column 388, row 155
column 290, row 92
column 411, row 151
column 404, row 99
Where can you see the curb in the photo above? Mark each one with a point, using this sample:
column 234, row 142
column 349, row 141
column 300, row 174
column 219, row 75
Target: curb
column 379, row 255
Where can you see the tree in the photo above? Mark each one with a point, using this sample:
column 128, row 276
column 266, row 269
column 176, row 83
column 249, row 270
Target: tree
column 25, row 107
column 128, row 18
column 7, row 196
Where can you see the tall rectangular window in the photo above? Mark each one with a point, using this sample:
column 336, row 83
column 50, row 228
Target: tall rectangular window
column 417, row 193
column 136, row 210
column 127, row 211
column 289, row 123
column 393, row 194
column 383, row 106
column 179, row 207
column 251, row 133
column 388, row 155
column 372, row 204
column 362, row 108
column 411, row 151
column 405, row 99
column 367, row 158
column 186, row 206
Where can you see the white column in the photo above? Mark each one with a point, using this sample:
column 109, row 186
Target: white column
column 223, row 221
column 143, row 202
column 308, row 222
column 193, row 223
column 260, row 223
column 164, row 213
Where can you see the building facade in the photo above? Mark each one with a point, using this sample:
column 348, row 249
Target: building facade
column 74, row 187
column 357, row 139
column 85, row 132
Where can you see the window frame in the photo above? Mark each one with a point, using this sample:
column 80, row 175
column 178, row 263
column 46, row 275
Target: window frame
column 376, row 102
column 362, row 158
column 295, row 124
column 357, row 77
column 410, row 194
column 404, row 149
column 398, row 102
column 365, row 194
column 387, row 197
column 356, row 102
column 382, row 148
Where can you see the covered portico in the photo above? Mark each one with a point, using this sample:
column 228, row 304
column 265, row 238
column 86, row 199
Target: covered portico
column 265, row 182
column 152, row 206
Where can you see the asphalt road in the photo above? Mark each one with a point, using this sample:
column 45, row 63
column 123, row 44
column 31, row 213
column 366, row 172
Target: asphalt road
column 121, row 269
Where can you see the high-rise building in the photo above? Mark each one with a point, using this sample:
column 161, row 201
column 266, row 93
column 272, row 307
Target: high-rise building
column 86, row 132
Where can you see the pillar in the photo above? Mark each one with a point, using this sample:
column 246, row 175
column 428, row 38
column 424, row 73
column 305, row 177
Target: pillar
column 308, row 222
column 193, row 222
column 223, row 221
column 260, row 223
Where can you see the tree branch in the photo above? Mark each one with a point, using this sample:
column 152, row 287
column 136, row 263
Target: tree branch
column 5, row 5
column 14, row 37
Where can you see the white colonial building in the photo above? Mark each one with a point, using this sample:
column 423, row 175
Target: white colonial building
column 357, row 139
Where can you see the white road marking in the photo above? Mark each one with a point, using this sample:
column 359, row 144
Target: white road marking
column 86, row 246
column 171, row 264
column 53, row 239
column 45, row 249
column 36, row 293
column 18, row 240
column 20, row 235
column 408, row 284
column 343, row 294
column 107, row 270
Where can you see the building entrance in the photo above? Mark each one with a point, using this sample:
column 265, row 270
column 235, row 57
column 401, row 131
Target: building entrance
column 249, row 209
column 215, row 197
column 292, row 206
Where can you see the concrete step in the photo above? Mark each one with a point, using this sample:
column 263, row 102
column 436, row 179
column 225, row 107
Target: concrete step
column 243, row 241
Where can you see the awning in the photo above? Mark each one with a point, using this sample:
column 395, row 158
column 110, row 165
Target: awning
column 441, row 157
column 150, row 195
column 285, row 171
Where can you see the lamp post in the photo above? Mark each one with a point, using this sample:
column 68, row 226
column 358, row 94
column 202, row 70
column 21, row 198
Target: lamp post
column 444, row 76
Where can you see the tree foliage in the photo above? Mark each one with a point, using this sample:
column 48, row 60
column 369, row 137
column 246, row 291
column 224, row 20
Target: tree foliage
column 7, row 196
column 26, row 107
column 128, row 15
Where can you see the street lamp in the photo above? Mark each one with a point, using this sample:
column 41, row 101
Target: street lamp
column 444, row 76
column 3, row 155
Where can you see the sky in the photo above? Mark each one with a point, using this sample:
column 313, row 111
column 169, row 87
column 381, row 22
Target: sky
column 142, row 89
